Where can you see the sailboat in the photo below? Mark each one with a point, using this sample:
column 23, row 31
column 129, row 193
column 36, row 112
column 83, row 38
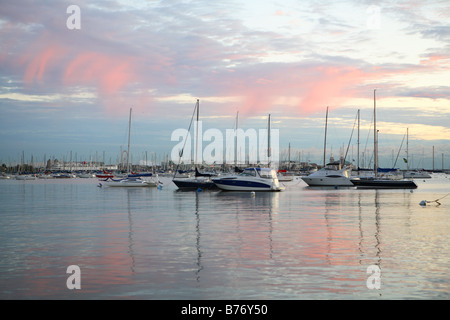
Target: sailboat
column 376, row 182
column 131, row 180
column 332, row 174
column 200, row 180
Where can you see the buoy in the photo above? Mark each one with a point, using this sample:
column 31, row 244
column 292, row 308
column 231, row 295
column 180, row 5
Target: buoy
column 423, row 203
column 99, row 185
column 252, row 193
column 199, row 190
column 159, row 187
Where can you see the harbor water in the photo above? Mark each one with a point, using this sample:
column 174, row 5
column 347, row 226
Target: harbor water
column 150, row 243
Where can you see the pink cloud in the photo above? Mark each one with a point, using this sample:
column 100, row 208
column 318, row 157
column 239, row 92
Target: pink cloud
column 36, row 68
column 108, row 73
column 306, row 88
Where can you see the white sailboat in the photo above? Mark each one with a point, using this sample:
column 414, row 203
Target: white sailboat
column 130, row 180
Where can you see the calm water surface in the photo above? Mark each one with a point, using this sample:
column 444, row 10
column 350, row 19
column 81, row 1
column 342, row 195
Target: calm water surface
column 146, row 243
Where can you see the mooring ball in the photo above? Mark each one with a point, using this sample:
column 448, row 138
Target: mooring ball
column 423, row 203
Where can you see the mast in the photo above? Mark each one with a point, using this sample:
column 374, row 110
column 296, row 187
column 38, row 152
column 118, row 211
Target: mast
column 358, row 139
column 196, row 134
column 325, row 141
column 407, row 149
column 375, row 145
column 128, row 151
column 289, row 157
column 235, row 140
column 268, row 143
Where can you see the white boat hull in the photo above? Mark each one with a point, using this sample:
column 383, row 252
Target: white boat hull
column 327, row 181
column 246, row 182
column 128, row 183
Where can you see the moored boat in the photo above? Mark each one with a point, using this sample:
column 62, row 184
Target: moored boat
column 251, row 179
column 128, row 182
column 330, row 175
column 373, row 183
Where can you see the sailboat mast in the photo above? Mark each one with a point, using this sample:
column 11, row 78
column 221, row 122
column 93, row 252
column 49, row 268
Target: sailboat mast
column 375, row 142
column 325, row 140
column 235, row 140
column 359, row 118
column 268, row 143
column 128, row 151
column 407, row 148
column 196, row 134
column 289, row 157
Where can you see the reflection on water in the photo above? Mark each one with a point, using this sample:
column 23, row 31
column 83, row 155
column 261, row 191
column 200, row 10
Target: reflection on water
column 303, row 243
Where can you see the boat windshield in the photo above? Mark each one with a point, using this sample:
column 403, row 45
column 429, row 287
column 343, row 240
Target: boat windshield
column 268, row 174
column 247, row 173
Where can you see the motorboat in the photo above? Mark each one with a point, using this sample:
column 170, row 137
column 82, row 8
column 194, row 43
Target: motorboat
column 330, row 175
column 251, row 179
column 25, row 177
column 128, row 182
column 416, row 175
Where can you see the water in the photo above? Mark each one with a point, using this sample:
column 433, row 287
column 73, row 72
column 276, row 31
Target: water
column 145, row 243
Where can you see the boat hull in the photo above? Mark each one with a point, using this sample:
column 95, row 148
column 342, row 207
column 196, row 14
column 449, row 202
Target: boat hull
column 245, row 185
column 384, row 184
column 194, row 184
column 327, row 181
column 129, row 183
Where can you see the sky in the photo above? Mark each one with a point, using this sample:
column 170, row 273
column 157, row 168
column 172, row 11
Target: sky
column 68, row 78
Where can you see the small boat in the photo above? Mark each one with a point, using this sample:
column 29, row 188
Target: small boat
column 104, row 175
column 251, row 179
column 128, row 182
column 416, row 175
column 45, row 176
column 26, row 177
column 85, row 175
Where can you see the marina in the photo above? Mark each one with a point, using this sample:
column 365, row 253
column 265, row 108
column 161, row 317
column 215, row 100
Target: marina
column 230, row 151
column 160, row 243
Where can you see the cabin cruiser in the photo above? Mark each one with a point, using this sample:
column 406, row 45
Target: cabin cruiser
column 251, row 179
column 128, row 182
column 330, row 175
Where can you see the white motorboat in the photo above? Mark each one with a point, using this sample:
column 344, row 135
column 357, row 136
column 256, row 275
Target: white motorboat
column 416, row 175
column 128, row 182
column 26, row 177
column 331, row 175
column 251, row 179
